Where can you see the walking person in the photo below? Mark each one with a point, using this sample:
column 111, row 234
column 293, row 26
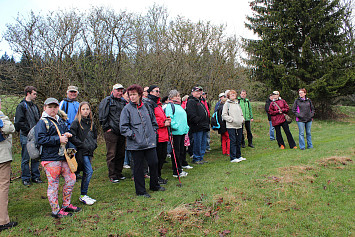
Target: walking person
column 53, row 159
column 26, row 117
column 6, row 131
column 304, row 110
column 138, row 124
column 277, row 109
column 84, row 137
column 233, row 115
column 271, row 128
column 248, row 117
column 110, row 110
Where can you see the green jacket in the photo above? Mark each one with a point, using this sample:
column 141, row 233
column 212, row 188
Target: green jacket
column 246, row 108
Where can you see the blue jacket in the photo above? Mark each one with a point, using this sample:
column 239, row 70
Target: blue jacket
column 178, row 119
column 49, row 139
column 70, row 107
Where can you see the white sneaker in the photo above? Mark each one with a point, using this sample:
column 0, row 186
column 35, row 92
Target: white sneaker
column 168, row 156
column 187, row 167
column 126, row 166
column 242, row 158
column 182, row 174
column 87, row 200
column 236, row 160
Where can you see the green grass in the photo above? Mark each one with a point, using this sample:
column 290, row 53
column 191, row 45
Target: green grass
column 273, row 193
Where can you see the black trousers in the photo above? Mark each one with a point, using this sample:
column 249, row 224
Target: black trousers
column 179, row 153
column 249, row 135
column 161, row 153
column 150, row 155
column 286, row 129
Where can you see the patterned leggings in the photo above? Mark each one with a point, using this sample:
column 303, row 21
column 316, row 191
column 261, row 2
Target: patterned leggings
column 53, row 171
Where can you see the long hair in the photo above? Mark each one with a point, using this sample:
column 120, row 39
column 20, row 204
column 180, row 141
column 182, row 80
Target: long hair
column 78, row 114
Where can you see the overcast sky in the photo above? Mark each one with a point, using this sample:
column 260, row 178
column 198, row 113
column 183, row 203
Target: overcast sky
column 230, row 12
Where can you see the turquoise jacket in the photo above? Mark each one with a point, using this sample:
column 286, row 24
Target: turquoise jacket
column 246, row 108
column 178, row 119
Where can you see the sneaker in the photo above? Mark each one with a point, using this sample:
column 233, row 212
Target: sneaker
column 87, row 200
column 37, row 181
column 8, row 225
column 187, row 167
column 236, row 160
column 168, row 156
column 114, row 181
column 62, row 213
column 126, row 167
column 121, row 177
column 282, row 147
column 182, row 174
column 162, row 181
column 242, row 158
column 71, row 208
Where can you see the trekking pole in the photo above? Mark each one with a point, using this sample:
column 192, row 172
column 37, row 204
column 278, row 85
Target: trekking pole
column 173, row 149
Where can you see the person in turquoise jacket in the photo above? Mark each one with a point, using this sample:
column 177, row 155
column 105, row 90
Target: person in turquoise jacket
column 179, row 129
column 248, row 116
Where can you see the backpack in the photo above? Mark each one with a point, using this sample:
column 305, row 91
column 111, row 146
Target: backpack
column 214, row 121
column 172, row 108
column 34, row 150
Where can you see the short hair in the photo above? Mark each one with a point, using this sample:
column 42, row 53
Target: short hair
column 29, row 89
column 173, row 93
column 231, row 92
column 303, row 89
column 135, row 87
column 242, row 90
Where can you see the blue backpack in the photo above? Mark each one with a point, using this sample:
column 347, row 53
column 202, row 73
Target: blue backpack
column 214, row 121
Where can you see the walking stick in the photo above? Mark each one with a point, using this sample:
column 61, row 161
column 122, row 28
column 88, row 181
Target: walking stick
column 172, row 147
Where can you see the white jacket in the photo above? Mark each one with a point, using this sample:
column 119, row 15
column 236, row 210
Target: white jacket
column 233, row 115
column 6, row 145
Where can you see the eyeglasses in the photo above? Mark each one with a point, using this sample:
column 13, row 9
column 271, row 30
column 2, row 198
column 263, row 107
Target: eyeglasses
column 156, row 91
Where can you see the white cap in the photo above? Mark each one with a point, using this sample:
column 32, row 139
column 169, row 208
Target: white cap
column 117, row 86
column 221, row 94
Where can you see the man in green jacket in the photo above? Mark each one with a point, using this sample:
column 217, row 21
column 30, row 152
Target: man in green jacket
column 248, row 116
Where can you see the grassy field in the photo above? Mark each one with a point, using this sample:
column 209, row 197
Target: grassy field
column 273, row 193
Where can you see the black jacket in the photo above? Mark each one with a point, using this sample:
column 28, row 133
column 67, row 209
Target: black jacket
column 26, row 117
column 110, row 110
column 84, row 139
column 197, row 115
column 303, row 109
column 222, row 123
column 267, row 105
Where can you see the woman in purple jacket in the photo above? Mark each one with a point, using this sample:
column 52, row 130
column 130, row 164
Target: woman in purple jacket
column 304, row 111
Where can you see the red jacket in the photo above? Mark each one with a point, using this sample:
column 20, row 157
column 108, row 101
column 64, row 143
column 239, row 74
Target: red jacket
column 160, row 116
column 276, row 117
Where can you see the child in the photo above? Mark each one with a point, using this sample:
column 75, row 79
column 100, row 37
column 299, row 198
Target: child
column 53, row 159
column 85, row 140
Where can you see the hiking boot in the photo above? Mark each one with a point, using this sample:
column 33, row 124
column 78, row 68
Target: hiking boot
column 71, row 208
column 162, row 181
column 87, row 200
column 8, row 225
column 282, row 147
column 62, row 213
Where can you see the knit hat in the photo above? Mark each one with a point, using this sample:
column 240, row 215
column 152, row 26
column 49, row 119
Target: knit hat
column 151, row 88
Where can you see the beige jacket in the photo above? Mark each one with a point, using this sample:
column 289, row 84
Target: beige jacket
column 232, row 114
column 6, row 145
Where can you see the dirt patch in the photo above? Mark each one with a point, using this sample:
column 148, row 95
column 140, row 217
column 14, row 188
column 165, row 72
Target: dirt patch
column 292, row 174
column 335, row 161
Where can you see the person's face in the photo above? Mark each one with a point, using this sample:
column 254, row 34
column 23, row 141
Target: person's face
column 243, row 94
column 197, row 94
column 125, row 96
column 155, row 92
column 51, row 109
column 85, row 110
column 32, row 95
column 232, row 96
column 134, row 96
column 72, row 95
column 145, row 91
column 117, row 93
column 271, row 97
column 275, row 97
column 176, row 98
column 204, row 95
column 302, row 94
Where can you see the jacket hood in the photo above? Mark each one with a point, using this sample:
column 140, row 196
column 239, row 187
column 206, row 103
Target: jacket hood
column 45, row 115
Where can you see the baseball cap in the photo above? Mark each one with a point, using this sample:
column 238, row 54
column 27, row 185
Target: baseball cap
column 51, row 101
column 117, row 86
column 221, row 94
column 276, row 93
column 197, row 88
column 73, row 88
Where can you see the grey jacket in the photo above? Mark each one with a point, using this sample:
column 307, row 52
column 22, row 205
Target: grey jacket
column 138, row 124
column 6, row 145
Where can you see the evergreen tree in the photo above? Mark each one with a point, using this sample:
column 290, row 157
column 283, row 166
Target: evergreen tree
column 301, row 45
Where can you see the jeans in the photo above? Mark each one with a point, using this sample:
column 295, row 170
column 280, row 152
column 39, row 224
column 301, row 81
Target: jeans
column 87, row 174
column 27, row 171
column 127, row 158
column 301, row 127
column 208, row 140
column 199, row 145
column 235, row 137
column 271, row 131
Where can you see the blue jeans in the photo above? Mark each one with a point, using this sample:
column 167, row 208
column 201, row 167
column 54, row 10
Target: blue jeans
column 271, row 131
column 235, row 137
column 27, row 172
column 301, row 127
column 199, row 145
column 208, row 139
column 87, row 174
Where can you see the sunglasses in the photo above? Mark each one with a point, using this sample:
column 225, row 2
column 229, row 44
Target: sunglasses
column 156, row 91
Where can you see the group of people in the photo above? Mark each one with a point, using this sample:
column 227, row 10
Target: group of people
column 138, row 129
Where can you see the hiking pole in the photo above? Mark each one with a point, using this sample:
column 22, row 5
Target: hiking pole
column 173, row 149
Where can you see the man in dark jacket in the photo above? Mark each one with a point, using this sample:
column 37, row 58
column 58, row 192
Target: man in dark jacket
column 198, row 121
column 271, row 129
column 27, row 116
column 110, row 110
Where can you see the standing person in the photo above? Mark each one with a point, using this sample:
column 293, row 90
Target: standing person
column 277, row 109
column 53, row 160
column 84, row 137
column 27, row 116
column 153, row 102
column 220, row 97
column 223, row 128
column 271, row 128
column 145, row 92
column 69, row 105
column 110, row 110
column 248, row 117
column 6, row 131
column 233, row 115
column 179, row 129
column 207, row 105
column 198, row 121
column 138, row 124
column 304, row 111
